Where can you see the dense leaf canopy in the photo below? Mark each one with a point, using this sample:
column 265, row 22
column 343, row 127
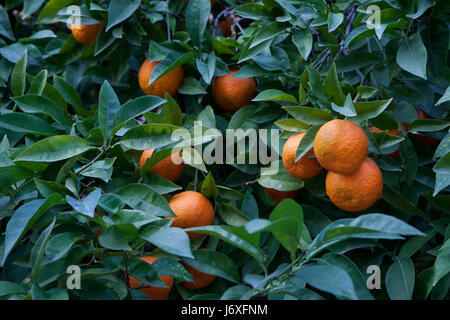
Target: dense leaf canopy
column 74, row 123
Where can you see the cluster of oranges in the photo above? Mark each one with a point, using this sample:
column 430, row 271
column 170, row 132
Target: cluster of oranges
column 353, row 182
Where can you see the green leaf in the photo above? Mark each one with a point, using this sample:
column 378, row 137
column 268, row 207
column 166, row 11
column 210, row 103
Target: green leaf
column 54, row 149
column 275, row 95
column 38, row 84
column 191, row 86
column 289, row 237
column 109, row 106
column 306, row 143
column 412, row 56
column 120, row 10
column 252, row 11
column 70, row 95
column 101, row 169
column 209, row 188
column 31, row 103
column 442, row 169
column 268, row 32
column 5, row 25
column 11, row 174
column 53, row 6
column 172, row 240
column 26, row 123
column 346, row 264
column 19, row 76
column 133, row 109
column 207, row 68
column 11, row 288
column 328, row 278
column 197, row 15
column 334, row 21
column 332, row 87
column 445, row 97
column 370, row 110
column 142, row 197
column 400, row 279
column 395, row 199
column 23, row 219
column 233, row 235
column 347, row 109
column 38, row 251
column 309, row 115
column 87, row 205
column 171, row 62
column 59, row 245
column 281, row 181
column 303, row 40
column 215, row 263
column 428, row 125
column 150, row 136
column 442, row 265
column 114, row 239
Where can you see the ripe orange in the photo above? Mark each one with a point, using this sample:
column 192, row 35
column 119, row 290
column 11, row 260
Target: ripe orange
column 86, row 34
column 396, row 154
column 169, row 83
column 201, row 279
column 341, row 146
column 167, row 168
column 225, row 25
column 356, row 191
column 193, row 210
column 154, row 293
column 278, row 196
column 306, row 167
column 231, row 94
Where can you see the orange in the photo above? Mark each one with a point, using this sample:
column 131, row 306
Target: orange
column 356, row 191
column 169, row 83
column 201, row 279
column 396, row 154
column 225, row 25
column 231, row 94
column 278, row 196
column 167, row 168
column 86, row 34
column 306, row 167
column 341, row 146
column 193, row 210
column 154, row 293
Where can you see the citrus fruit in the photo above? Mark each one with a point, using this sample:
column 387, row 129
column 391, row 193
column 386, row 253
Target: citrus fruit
column 396, row 154
column 278, row 196
column 171, row 168
column 86, row 34
column 341, row 146
column 154, row 293
column 169, row 82
column 201, row 279
column 356, row 191
column 193, row 210
column 231, row 94
column 306, row 167
column 225, row 25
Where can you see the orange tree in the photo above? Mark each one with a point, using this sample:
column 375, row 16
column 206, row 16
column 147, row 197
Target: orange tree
column 99, row 101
